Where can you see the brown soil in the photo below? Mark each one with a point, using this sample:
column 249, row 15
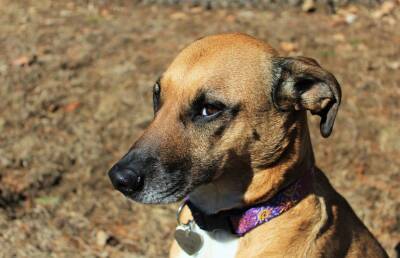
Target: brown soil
column 75, row 92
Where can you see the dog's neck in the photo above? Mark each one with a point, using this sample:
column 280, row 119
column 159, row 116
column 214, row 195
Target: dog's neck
column 298, row 160
column 241, row 221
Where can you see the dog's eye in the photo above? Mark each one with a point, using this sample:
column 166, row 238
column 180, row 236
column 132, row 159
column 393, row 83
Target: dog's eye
column 205, row 110
column 210, row 110
column 156, row 96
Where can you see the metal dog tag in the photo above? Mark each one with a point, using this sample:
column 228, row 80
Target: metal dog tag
column 190, row 241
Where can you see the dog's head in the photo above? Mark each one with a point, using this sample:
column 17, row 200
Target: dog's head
column 226, row 109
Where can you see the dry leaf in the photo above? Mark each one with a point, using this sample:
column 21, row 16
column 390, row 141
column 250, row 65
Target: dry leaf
column 308, row 6
column 350, row 18
column 338, row 20
column 179, row 16
column 197, row 9
column 385, row 9
column 21, row 61
column 101, row 238
column 288, row 46
column 70, row 107
column 230, row 18
column 339, row 37
column 104, row 12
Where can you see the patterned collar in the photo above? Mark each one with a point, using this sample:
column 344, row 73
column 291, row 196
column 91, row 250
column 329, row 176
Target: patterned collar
column 240, row 221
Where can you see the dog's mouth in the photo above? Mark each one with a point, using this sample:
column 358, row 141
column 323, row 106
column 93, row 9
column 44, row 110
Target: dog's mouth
column 158, row 197
column 161, row 191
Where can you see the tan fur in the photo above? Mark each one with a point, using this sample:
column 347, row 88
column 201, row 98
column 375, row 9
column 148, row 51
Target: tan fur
column 271, row 149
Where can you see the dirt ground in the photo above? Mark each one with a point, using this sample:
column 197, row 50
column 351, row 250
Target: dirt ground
column 75, row 92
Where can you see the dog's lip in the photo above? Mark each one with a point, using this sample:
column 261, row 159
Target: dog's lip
column 160, row 198
column 127, row 192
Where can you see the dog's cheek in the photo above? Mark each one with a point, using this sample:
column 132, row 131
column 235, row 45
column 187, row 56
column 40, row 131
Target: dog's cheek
column 236, row 139
column 212, row 146
column 220, row 153
column 202, row 169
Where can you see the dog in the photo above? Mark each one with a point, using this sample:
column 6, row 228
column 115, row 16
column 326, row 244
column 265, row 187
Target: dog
column 230, row 138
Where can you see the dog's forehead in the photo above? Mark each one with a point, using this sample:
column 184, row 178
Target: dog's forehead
column 218, row 61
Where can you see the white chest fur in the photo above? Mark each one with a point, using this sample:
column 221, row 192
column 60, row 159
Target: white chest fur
column 215, row 244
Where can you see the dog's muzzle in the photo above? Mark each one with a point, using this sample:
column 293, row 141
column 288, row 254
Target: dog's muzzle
column 125, row 179
column 141, row 177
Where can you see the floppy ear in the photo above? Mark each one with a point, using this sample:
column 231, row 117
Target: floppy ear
column 302, row 84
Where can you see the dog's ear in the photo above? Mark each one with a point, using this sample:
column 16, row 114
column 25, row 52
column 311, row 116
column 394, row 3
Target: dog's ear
column 300, row 83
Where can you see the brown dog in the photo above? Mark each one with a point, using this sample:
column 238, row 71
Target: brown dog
column 230, row 133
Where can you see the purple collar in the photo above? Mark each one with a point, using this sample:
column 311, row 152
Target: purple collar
column 240, row 221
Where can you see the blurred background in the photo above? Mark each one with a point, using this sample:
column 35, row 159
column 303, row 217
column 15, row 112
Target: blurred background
column 75, row 92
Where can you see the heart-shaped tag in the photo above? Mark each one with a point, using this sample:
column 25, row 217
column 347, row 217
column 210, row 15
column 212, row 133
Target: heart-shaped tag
column 190, row 241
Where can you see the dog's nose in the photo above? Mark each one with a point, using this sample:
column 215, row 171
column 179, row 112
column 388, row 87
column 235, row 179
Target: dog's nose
column 125, row 180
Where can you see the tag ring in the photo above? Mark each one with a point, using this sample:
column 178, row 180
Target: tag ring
column 179, row 211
